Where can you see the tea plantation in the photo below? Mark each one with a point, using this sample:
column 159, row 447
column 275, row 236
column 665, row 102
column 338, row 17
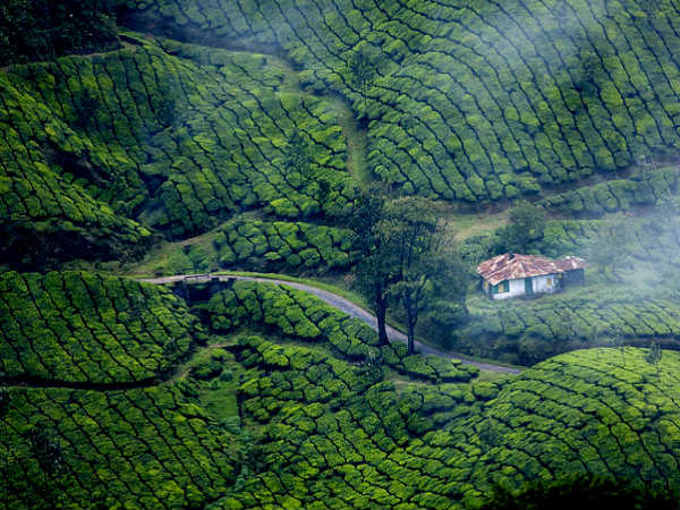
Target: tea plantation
column 475, row 101
column 174, row 137
column 160, row 138
column 318, row 415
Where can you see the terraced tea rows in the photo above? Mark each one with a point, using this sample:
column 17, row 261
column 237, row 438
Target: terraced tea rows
column 606, row 412
column 286, row 246
column 324, row 424
column 177, row 137
column 144, row 448
column 474, row 101
column 249, row 244
column 445, row 447
column 69, row 328
column 527, row 332
column 332, row 438
column 301, row 316
column 616, row 195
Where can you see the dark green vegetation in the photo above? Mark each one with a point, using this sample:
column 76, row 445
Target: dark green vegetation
column 264, row 246
column 584, row 493
column 175, row 137
column 476, row 101
column 471, row 104
column 84, row 328
column 180, row 136
column 318, row 415
column 42, row 29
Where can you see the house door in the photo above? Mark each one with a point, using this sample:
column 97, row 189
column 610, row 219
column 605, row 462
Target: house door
column 528, row 287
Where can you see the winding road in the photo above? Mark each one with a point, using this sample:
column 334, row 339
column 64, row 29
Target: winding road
column 341, row 304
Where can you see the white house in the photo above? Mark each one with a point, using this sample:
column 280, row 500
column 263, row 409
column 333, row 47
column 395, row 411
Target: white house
column 511, row 275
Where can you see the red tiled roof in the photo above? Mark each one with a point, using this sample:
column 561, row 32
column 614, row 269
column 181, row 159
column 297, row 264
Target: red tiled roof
column 510, row 266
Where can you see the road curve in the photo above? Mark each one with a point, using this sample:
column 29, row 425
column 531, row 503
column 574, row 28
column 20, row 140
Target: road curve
column 341, row 304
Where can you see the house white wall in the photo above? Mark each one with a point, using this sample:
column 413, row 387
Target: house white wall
column 545, row 284
column 516, row 289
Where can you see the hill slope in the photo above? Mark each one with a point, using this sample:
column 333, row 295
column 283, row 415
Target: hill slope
column 472, row 101
column 306, row 419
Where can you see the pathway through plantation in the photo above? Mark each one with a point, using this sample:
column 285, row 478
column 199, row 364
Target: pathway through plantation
column 341, row 304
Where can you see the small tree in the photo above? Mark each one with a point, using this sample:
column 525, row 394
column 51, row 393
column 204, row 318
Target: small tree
column 298, row 157
column 527, row 225
column 46, row 450
column 85, row 106
column 362, row 71
column 654, row 356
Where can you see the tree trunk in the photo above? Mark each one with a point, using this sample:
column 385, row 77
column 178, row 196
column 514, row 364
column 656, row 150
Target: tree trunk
column 410, row 324
column 411, row 338
column 380, row 313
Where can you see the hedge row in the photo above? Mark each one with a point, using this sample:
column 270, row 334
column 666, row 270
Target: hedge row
column 608, row 413
column 302, row 316
column 332, row 437
column 616, row 195
column 72, row 327
column 143, row 448
column 174, row 136
column 285, row 246
column 314, row 428
column 597, row 413
column 531, row 331
column 480, row 103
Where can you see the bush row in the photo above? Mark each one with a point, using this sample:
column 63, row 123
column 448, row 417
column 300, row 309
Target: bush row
column 302, row 316
column 150, row 448
column 647, row 189
column 483, row 103
column 73, row 327
column 531, row 331
column 285, row 246
column 177, row 137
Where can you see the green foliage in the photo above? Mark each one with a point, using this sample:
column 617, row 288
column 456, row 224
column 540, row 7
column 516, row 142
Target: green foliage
column 139, row 448
column 586, row 492
column 250, row 423
column 83, row 328
column 647, row 188
column 477, row 104
column 285, row 246
column 298, row 158
column 527, row 225
column 530, row 331
column 298, row 315
column 177, row 137
column 43, row 30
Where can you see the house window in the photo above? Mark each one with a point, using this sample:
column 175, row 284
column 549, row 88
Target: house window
column 503, row 287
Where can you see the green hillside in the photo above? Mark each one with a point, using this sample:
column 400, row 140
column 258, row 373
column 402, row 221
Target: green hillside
column 302, row 141
column 299, row 421
column 174, row 137
column 474, row 101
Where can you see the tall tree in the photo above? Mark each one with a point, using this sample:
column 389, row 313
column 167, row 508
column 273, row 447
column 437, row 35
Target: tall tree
column 374, row 272
column 425, row 269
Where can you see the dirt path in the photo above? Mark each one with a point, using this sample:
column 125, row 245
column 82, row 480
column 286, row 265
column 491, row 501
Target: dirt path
column 343, row 305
